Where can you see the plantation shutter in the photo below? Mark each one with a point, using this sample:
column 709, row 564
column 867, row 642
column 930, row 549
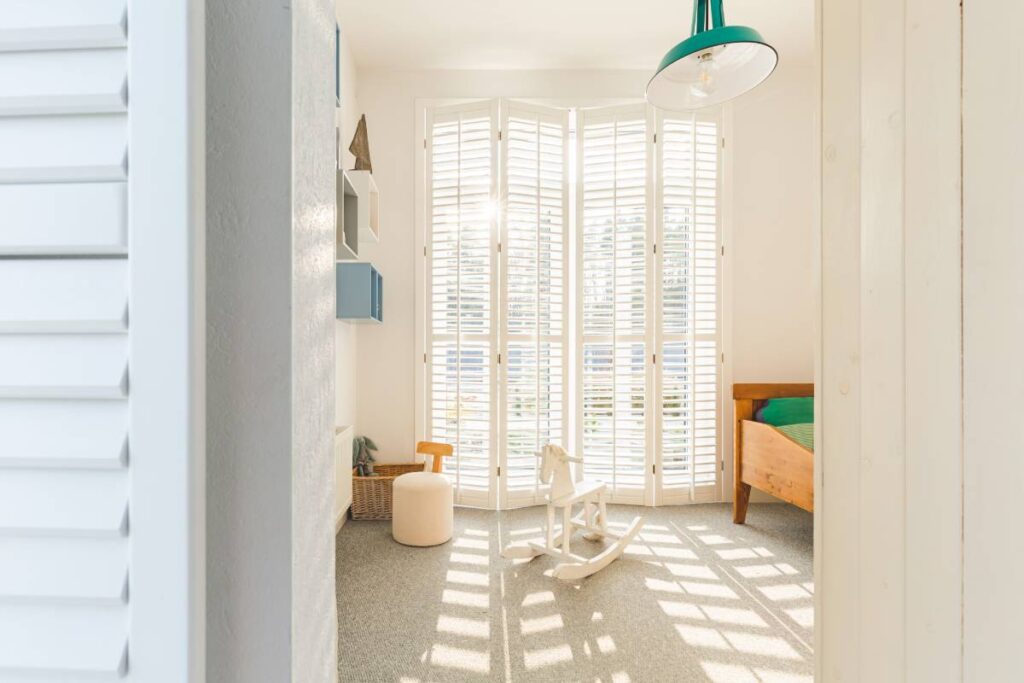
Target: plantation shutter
column 64, row 418
column 462, row 341
column 614, row 219
column 687, row 330
column 534, row 259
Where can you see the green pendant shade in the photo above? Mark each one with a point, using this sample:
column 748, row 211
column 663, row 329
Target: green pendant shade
column 716, row 63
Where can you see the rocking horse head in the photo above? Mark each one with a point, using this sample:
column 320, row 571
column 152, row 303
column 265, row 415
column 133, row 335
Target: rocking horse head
column 555, row 470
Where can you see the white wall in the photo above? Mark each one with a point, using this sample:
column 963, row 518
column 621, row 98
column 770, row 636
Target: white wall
column 771, row 165
column 270, row 306
column 345, row 334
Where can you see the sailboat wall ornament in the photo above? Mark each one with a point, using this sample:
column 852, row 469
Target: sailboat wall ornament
column 360, row 147
column 715, row 64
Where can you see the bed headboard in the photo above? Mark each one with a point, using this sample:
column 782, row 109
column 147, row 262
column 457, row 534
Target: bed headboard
column 748, row 398
column 763, row 392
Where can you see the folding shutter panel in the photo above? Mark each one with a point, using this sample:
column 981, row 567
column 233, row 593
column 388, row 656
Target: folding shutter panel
column 614, row 221
column 64, row 480
column 687, row 223
column 534, row 280
column 462, row 347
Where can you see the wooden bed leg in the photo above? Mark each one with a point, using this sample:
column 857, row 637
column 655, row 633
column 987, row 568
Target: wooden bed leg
column 743, row 410
column 740, row 500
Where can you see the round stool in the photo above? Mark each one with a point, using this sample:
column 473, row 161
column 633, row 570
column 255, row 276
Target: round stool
column 421, row 509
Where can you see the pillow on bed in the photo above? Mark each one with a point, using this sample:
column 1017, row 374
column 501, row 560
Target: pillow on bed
column 786, row 411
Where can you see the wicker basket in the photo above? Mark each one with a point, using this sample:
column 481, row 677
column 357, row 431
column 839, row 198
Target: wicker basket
column 371, row 496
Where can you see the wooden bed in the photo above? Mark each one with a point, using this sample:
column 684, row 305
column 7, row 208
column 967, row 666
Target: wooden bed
column 764, row 457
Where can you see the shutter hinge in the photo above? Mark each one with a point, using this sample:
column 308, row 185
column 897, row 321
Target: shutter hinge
column 424, row 143
column 499, row 135
column 499, row 471
column 424, row 250
column 723, row 250
column 655, row 138
column 424, row 358
column 499, row 247
column 655, row 248
column 654, row 469
column 723, row 466
column 499, row 359
column 654, row 358
column 723, row 357
column 723, row 142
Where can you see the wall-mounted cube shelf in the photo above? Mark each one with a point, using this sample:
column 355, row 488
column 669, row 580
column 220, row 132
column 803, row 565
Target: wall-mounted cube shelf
column 347, row 231
column 360, row 292
column 369, row 205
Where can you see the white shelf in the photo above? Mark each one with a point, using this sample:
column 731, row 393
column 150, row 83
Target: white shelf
column 368, row 213
column 347, row 231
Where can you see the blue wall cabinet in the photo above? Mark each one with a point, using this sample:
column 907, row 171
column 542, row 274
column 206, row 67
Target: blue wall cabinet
column 360, row 292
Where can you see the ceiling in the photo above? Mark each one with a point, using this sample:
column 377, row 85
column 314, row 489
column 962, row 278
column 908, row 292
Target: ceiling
column 550, row 34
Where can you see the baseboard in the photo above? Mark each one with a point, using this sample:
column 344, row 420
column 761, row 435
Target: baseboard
column 339, row 521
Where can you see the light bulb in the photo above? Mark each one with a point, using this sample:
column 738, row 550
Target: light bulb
column 707, row 76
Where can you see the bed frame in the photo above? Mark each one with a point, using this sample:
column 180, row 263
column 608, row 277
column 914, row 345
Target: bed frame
column 764, row 457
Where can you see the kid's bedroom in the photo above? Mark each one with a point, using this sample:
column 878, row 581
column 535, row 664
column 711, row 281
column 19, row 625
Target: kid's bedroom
column 575, row 341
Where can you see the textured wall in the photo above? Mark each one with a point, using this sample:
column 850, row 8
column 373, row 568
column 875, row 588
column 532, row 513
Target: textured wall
column 314, row 618
column 249, row 361
column 270, row 319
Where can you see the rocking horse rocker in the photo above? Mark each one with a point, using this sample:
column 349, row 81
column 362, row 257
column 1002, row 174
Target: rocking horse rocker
column 564, row 494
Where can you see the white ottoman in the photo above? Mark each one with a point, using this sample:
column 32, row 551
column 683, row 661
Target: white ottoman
column 421, row 509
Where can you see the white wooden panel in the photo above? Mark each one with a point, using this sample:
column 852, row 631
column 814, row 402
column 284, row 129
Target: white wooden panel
column 54, row 503
column 993, row 291
column 55, row 218
column 53, row 149
column 64, row 82
column 62, row 644
column 62, row 24
column 63, row 571
column 64, row 434
column 65, row 366
column 62, row 296
column 934, row 342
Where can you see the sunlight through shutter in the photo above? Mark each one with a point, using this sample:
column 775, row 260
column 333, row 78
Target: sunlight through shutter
column 687, row 214
column 461, row 330
column 614, row 174
column 535, row 272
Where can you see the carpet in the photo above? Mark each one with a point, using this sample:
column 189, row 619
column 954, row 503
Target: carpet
column 695, row 598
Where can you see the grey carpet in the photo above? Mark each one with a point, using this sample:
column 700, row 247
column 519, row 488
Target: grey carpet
column 696, row 598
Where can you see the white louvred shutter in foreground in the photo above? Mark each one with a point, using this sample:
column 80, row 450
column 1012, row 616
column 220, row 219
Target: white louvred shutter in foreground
column 462, row 341
column 687, row 336
column 64, row 413
column 535, row 269
column 614, row 216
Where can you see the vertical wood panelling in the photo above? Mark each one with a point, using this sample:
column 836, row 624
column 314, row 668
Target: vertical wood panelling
column 993, row 249
column 889, row 446
column 838, row 452
column 882, row 378
column 933, row 340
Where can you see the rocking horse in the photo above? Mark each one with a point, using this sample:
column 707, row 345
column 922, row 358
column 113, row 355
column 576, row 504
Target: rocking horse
column 564, row 494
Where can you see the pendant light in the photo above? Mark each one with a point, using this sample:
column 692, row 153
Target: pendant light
column 716, row 63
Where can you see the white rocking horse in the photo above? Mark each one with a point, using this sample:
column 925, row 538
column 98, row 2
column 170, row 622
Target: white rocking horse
column 565, row 493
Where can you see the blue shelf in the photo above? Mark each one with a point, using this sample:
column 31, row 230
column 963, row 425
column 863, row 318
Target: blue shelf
column 360, row 292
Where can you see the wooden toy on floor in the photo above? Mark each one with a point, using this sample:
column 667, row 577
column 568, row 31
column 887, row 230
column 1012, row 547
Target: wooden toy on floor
column 593, row 517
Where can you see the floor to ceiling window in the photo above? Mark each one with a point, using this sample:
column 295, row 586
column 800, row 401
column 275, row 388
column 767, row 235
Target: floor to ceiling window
column 571, row 296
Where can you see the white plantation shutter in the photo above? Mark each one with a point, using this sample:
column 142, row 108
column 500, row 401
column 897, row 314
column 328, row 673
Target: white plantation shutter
column 462, row 341
column 98, row 576
column 534, row 261
column 614, row 199
column 687, row 331
column 64, row 401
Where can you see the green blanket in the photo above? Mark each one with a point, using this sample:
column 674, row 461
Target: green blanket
column 803, row 434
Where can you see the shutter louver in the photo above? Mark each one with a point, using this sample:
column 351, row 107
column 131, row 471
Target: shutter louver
column 535, row 287
column 462, row 175
column 64, row 482
column 613, row 218
column 688, row 238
